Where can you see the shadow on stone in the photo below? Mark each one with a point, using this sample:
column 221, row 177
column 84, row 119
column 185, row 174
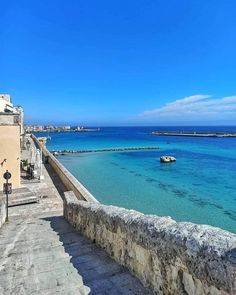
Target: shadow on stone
column 99, row 272
column 56, row 180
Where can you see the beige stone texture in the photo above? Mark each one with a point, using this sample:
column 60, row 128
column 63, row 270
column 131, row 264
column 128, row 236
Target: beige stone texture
column 10, row 154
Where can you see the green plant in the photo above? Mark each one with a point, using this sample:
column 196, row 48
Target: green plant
column 24, row 163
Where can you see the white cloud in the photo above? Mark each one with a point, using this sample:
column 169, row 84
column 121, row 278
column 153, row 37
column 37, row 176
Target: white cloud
column 195, row 106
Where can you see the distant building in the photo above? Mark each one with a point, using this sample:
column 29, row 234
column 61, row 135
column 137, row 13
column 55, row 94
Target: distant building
column 11, row 139
column 51, row 128
column 19, row 110
column 66, row 127
column 5, row 104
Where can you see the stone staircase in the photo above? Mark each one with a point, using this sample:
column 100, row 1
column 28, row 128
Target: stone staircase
column 22, row 196
column 44, row 255
column 33, row 261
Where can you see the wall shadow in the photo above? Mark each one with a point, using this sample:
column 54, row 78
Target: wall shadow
column 56, row 180
column 99, row 272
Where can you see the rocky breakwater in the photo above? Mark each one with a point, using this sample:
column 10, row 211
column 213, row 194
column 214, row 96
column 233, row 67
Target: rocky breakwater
column 167, row 256
column 64, row 152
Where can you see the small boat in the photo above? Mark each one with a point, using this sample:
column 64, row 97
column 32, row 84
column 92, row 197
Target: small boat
column 167, row 159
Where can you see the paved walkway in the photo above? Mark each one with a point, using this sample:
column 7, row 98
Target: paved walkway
column 42, row 254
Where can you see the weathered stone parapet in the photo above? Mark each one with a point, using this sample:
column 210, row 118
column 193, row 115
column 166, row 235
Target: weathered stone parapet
column 2, row 209
column 69, row 181
column 167, row 256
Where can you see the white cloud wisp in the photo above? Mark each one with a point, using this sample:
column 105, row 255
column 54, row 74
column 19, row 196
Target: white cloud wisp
column 196, row 106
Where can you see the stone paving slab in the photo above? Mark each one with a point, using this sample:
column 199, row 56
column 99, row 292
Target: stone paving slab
column 45, row 254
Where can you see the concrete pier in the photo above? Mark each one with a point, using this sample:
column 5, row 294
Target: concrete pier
column 193, row 134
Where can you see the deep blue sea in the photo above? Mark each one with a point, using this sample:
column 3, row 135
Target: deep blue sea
column 199, row 187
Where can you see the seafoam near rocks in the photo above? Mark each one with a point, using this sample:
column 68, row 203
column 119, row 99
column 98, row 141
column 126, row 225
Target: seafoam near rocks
column 167, row 256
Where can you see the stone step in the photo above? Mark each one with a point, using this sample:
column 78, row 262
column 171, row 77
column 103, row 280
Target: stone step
column 22, row 196
column 22, row 201
column 16, row 196
column 30, row 181
column 20, row 190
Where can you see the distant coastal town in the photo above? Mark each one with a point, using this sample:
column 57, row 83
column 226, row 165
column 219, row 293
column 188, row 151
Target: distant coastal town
column 51, row 128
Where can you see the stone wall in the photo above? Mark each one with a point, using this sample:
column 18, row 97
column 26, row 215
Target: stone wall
column 2, row 210
column 9, row 119
column 168, row 257
column 69, row 181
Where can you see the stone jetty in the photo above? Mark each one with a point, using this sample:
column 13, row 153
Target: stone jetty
column 63, row 152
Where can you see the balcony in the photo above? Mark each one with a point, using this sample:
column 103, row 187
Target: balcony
column 9, row 119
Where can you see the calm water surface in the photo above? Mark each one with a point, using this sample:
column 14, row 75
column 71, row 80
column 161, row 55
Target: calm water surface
column 199, row 187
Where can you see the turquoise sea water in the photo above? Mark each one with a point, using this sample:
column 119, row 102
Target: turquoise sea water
column 199, row 187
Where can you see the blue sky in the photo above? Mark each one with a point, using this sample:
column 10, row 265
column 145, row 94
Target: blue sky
column 120, row 62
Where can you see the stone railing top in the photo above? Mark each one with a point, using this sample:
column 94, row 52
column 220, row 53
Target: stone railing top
column 193, row 236
column 74, row 182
